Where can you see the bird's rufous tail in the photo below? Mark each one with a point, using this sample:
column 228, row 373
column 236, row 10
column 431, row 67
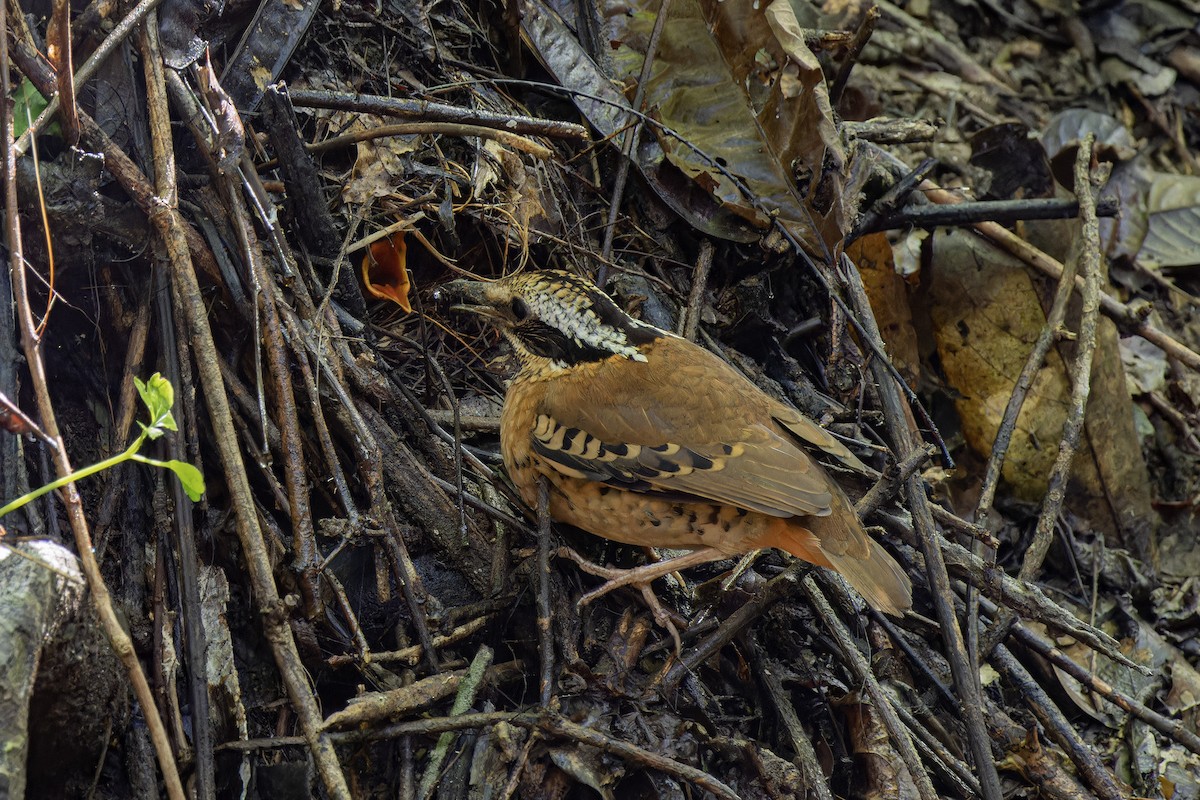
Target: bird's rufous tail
column 869, row 568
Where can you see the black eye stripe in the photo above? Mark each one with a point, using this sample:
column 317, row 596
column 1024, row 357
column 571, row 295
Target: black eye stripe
column 549, row 342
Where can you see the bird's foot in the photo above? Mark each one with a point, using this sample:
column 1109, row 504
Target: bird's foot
column 641, row 578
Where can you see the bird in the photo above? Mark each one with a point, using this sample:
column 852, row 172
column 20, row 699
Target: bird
column 649, row 439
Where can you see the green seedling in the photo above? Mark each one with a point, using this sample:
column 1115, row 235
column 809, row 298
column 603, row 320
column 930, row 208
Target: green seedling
column 158, row 396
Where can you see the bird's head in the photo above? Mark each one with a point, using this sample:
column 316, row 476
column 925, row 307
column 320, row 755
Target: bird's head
column 553, row 318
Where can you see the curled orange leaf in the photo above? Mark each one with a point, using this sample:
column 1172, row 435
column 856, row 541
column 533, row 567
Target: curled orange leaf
column 383, row 270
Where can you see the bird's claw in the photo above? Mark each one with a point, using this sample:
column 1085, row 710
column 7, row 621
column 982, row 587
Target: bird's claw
column 639, row 578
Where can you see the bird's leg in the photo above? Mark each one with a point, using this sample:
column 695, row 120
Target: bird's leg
column 638, row 576
column 641, row 578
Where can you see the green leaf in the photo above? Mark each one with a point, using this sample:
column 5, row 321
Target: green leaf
column 189, row 476
column 28, row 103
column 165, row 423
column 158, row 396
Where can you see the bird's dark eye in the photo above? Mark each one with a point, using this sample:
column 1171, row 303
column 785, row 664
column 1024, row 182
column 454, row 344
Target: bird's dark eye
column 519, row 310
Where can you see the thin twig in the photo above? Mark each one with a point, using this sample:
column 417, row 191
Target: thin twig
column 460, row 491
column 629, row 140
column 347, row 609
column 953, row 768
column 892, row 480
column 505, row 137
column 893, row 198
column 171, row 228
column 332, row 466
column 916, row 659
column 58, row 46
column 1001, row 212
column 369, row 709
column 806, row 757
column 430, row 111
column 13, row 420
column 1081, row 383
column 514, row 775
column 957, row 523
column 853, row 658
column 545, row 632
column 695, row 305
column 966, row 676
column 861, row 36
column 122, row 644
column 558, row 726
column 1083, row 756
column 1082, row 380
column 412, row 654
column 486, row 508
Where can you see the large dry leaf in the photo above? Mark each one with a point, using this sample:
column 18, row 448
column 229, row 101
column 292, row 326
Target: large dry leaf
column 1173, row 227
column 745, row 96
column 888, row 293
column 986, row 314
column 986, row 317
column 595, row 95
